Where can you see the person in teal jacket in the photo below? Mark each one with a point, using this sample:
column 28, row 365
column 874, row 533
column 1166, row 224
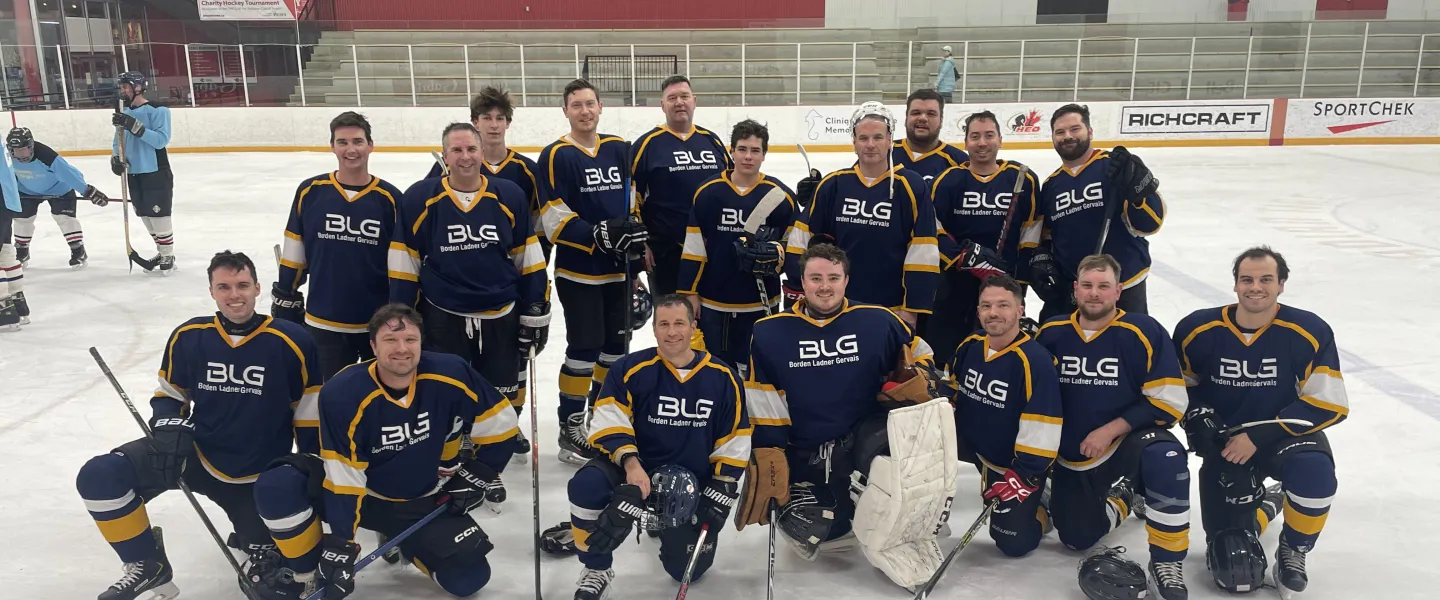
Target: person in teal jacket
column 946, row 76
column 146, row 167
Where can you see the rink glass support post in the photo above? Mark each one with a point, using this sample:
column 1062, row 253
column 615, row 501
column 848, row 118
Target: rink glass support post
column 687, row 60
column 1079, row 51
column 125, row 58
column 410, row 60
column 1249, row 51
column 465, row 55
column 64, row 88
column 798, row 71
column 355, row 66
column 244, row 75
column 1190, row 71
column 522, row 79
column 1419, row 62
column 1020, row 76
column 577, row 61
column 190, row 75
column 742, row 74
column 634, row 93
column 1135, row 64
column 1364, row 49
column 1305, row 65
column 300, row 69
column 909, row 65
column 854, row 58
column 964, row 69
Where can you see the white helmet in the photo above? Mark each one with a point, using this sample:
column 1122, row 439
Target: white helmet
column 872, row 109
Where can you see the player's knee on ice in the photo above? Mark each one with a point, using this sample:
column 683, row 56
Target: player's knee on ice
column 591, row 487
column 105, row 477
column 464, row 582
column 1165, row 477
column 1309, row 475
column 676, row 546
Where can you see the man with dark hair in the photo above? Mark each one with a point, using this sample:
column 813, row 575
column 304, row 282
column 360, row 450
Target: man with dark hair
column 468, row 259
column 669, row 164
column 734, row 247
column 922, row 151
column 1259, row 360
column 599, row 239
column 973, row 204
column 392, row 437
column 146, row 165
column 337, row 238
column 46, row 177
column 237, row 391
column 1095, row 195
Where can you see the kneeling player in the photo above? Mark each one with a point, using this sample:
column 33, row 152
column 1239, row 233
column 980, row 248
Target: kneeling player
column 1258, row 360
column 1008, row 412
column 233, row 388
column 816, row 373
column 659, row 409
column 391, row 432
column 1121, row 391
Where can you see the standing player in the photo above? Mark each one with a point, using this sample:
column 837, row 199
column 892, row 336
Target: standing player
column 814, row 394
column 338, row 237
column 1121, row 391
column 878, row 214
column 669, row 164
column 391, row 436
column 13, row 309
column 922, row 151
column 1258, row 360
column 468, row 258
column 1093, row 193
column 45, row 176
column 1008, row 413
column 972, row 203
column 587, row 215
column 147, row 132
column 660, row 408
column 236, row 392
column 724, row 265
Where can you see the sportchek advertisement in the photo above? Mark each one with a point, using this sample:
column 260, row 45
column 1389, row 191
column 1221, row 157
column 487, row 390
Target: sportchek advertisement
column 1160, row 119
column 249, row 10
column 1399, row 117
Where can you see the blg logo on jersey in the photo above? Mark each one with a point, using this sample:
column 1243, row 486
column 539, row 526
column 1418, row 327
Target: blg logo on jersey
column 1083, row 370
column 860, row 212
column 397, row 437
column 597, row 176
column 732, row 216
column 992, row 392
column 223, row 377
column 1069, row 201
column 463, row 236
column 1245, row 373
column 681, row 412
column 822, row 353
column 995, row 204
column 343, row 228
column 691, row 161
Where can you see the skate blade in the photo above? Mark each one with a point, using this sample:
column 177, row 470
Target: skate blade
column 520, row 459
column 393, row 556
column 167, row 591
column 572, row 459
column 495, row 508
column 1284, row 592
column 78, row 267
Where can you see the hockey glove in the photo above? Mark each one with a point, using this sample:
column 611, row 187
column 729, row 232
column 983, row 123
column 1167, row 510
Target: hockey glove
column 468, row 487
column 172, row 440
column 626, row 506
column 621, row 236
column 1203, row 431
column 979, row 261
column 117, row 166
column 805, row 189
column 1029, row 326
column 287, row 305
column 715, row 503
column 1045, row 276
column 758, row 257
column 1012, row 490
column 1129, row 175
column 128, row 122
column 337, row 567
column 96, row 197
column 534, row 328
column 767, row 478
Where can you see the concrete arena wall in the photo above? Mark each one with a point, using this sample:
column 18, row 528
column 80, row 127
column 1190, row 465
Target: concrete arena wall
column 820, row 128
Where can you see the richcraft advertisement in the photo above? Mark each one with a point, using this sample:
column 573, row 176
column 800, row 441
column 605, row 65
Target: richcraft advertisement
column 1160, row 119
column 1341, row 119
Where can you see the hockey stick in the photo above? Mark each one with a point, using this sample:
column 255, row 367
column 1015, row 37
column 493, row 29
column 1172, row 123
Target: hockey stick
column 690, row 566
column 1243, row 426
column 924, row 592
column 388, row 545
column 535, row 467
column 1010, row 212
column 753, row 222
column 444, row 168
column 770, row 570
column 209, row 526
column 806, row 156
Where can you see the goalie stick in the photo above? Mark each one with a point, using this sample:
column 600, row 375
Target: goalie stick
column 923, row 593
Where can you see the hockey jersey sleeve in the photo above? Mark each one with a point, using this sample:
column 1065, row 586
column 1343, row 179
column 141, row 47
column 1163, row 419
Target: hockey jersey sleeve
column 612, row 427
column 1162, row 385
column 345, row 453
column 945, row 192
column 1323, row 400
column 922, row 255
column 157, row 128
column 68, row 175
column 693, row 255
column 529, row 259
column 307, row 407
column 1038, row 441
column 765, row 404
column 405, row 256
column 1145, row 217
column 495, row 422
column 171, row 397
column 640, row 170
column 293, row 264
column 732, row 440
column 1029, row 220
column 817, row 221
column 560, row 223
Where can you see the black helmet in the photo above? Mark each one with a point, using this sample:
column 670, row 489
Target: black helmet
column 1105, row 575
column 136, row 80
column 674, row 496
column 642, row 307
column 19, row 137
column 1236, row 560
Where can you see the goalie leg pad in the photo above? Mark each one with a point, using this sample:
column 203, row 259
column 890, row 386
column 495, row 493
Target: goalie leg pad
column 909, row 492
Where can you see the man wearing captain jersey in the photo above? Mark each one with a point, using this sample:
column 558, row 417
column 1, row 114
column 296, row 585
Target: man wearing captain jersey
column 338, row 238
column 1120, row 391
column 1257, row 360
column 670, row 163
column 237, row 391
column 1077, row 201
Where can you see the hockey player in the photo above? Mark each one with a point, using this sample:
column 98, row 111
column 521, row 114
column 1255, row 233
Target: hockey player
column 13, row 309
column 391, row 436
column 147, row 164
column 814, row 394
column 588, row 216
column 1094, row 193
column 972, row 203
column 1120, row 389
column 1007, row 408
column 338, row 237
column 468, row 258
column 725, row 265
column 237, row 390
column 668, row 406
column 922, row 151
column 1259, row 360
column 45, row 176
column 879, row 214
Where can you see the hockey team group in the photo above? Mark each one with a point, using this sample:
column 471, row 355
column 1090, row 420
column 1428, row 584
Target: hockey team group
column 826, row 357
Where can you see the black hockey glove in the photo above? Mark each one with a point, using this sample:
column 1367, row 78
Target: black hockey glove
column 467, row 488
column 96, row 197
column 131, row 124
column 1203, row 430
column 117, row 166
column 979, row 261
column 759, row 257
column 172, row 441
column 715, row 503
column 1129, row 176
column 1029, row 326
column 287, row 305
column 337, row 567
column 626, row 506
column 1045, row 276
column 534, row 328
column 621, row 236
column 805, row 189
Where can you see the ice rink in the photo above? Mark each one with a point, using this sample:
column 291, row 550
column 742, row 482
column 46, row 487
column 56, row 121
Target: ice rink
column 1359, row 226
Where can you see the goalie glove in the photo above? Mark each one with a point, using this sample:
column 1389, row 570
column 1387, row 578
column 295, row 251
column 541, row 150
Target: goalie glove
column 287, row 305
column 534, row 328
column 94, row 196
column 759, row 257
column 621, row 236
column 979, row 261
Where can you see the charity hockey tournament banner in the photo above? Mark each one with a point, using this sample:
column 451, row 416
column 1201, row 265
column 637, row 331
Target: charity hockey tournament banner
column 249, row 10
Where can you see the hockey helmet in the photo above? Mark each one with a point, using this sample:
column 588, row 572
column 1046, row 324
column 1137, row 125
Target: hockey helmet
column 20, row 138
column 642, row 307
column 135, row 80
column 872, row 109
column 1105, row 575
column 674, row 496
column 1236, row 560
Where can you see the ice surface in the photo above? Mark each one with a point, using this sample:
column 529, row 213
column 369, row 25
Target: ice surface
column 1359, row 225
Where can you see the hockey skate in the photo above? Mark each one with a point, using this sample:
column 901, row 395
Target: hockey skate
column 164, row 265
column 522, row 449
column 495, row 497
column 22, row 254
column 9, row 314
column 593, row 584
column 153, row 576
column 393, row 555
column 1123, row 491
column 575, row 448
column 78, row 257
column 1168, row 580
column 1290, row 575
column 558, row 540
column 282, row 583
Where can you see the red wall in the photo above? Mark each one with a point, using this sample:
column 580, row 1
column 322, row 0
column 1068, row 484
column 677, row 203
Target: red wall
column 578, row 14
column 1351, row 9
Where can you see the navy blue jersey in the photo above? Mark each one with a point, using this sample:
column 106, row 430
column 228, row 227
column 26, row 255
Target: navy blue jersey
column 928, row 164
column 339, row 240
column 1126, row 370
column 578, row 190
column 475, row 258
column 812, row 381
column 405, row 448
column 668, row 167
column 1007, row 406
column 708, row 265
column 1073, row 203
column 252, row 398
column 48, row 174
column 889, row 236
column 688, row 415
column 146, row 153
column 973, row 207
column 1289, row 369
column 516, row 168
